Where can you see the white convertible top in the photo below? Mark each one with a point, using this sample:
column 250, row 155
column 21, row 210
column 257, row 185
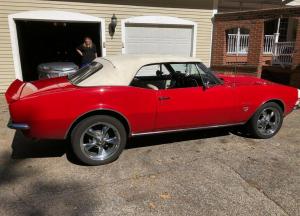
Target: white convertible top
column 120, row 70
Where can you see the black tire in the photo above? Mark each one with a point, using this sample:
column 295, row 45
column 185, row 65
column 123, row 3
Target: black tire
column 81, row 132
column 255, row 127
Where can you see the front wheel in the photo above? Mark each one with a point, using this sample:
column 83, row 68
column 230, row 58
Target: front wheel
column 267, row 121
column 98, row 140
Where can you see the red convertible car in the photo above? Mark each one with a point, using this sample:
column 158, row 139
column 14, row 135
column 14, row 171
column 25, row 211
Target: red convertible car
column 117, row 97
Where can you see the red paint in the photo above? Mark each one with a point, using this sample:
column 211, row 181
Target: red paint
column 51, row 106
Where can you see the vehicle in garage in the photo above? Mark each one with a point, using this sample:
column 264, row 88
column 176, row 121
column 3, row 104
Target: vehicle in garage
column 118, row 97
column 56, row 69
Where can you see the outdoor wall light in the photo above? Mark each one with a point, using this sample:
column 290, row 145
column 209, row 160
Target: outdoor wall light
column 112, row 25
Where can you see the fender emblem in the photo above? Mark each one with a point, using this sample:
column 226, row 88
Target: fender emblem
column 245, row 108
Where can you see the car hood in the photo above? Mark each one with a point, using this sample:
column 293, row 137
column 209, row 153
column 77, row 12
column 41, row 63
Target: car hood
column 239, row 80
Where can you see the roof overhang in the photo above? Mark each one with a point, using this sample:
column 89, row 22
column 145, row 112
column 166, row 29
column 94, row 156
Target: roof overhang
column 265, row 14
column 244, row 5
column 189, row 4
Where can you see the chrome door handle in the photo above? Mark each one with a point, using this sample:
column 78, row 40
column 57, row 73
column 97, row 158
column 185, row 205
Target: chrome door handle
column 164, row 98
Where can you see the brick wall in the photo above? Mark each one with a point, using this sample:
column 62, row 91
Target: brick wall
column 254, row 58
column 296, row 56
column 252, row 64
column 295, row 75
column 218, row 45
column 271, row 13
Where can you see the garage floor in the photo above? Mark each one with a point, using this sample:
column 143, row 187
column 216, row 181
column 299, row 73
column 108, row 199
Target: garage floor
column 197, row 173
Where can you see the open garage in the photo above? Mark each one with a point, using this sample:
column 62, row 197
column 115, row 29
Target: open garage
column 51, row 36
column 43, row 42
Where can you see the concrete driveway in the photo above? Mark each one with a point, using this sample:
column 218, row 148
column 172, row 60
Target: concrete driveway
column 211, row 172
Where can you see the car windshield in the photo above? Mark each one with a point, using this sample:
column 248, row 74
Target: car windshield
column 208, row 75
column 85, row 72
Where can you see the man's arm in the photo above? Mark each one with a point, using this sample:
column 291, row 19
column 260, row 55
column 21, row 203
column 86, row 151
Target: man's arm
column 95, row 51
column 79, row 52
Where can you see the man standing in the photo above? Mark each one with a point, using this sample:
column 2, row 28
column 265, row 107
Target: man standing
column 88, row 51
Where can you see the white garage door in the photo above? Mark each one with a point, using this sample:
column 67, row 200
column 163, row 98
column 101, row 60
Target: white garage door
column 158, row 39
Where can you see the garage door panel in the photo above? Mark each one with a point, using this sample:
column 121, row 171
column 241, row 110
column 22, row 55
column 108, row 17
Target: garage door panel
column 159, row 39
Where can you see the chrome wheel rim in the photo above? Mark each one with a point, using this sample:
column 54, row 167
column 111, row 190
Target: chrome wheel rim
column 100, row 141
column 268, row 121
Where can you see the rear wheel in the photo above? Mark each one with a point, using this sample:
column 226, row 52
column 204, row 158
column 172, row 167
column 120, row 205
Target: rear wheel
column 98, row 140
column 267, row 121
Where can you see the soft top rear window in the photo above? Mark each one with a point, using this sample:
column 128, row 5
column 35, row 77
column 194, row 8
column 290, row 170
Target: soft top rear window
column 85, row 72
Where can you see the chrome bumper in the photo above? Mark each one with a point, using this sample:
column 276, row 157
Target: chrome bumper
column 297, row 105
column 17, row 126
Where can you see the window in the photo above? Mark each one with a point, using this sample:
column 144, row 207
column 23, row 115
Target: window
column 208, row 78
column 184, row 75
column 237, row 41
column 174, row 75
column 154, row 76
column 152, row 70
column 85, row 72
column 195, row 74
column 187, row 69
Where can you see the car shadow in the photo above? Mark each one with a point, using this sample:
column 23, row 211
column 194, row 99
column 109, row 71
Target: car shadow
column 23, row 147
column 168, row 138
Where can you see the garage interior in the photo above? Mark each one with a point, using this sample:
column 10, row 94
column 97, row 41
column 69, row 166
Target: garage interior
column 44, row 42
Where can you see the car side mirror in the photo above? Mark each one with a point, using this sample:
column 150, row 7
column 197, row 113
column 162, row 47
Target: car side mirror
column 206, row 85
column 222, row 80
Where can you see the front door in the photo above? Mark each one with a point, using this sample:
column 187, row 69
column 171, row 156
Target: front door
column 187, row 104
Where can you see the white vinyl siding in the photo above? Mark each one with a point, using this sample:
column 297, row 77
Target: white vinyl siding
column 113, row 45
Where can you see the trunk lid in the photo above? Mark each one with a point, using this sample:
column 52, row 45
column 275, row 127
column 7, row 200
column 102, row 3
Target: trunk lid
column 19, row 89
column 14, row 91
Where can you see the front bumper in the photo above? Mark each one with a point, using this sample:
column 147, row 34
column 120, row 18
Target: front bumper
column 297, row 105
column 18, row 126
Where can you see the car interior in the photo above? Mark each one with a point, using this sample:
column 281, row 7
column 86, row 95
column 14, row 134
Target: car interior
column 171, row 76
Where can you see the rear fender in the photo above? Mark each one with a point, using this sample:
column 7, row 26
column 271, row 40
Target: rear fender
column 14, row 91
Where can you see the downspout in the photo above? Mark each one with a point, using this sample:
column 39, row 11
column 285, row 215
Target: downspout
column 276, row 40
column 277, row 31
column 215, row 11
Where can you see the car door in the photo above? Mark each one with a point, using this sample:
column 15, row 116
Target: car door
column 188, row 106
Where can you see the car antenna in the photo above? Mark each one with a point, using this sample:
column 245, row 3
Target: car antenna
column 235, row 71
column 239, row 27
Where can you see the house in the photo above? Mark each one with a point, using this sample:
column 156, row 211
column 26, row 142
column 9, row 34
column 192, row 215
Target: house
column 39, row 31
column 36, row 31
column 263, row 43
